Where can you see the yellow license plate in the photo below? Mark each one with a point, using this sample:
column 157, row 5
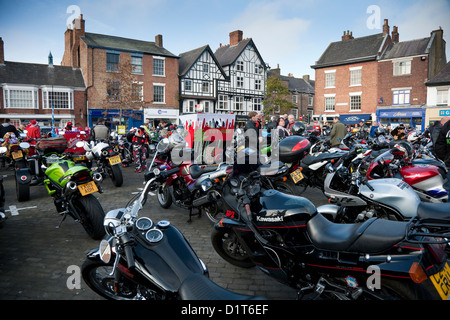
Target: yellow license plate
column 297, row 175
column 441, row 282
column 79, row 158
column 17, row 155
column 114, row 160
column 87, row 188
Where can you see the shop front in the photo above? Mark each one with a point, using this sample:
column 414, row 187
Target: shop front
column 170, row 115
column 436, row 113
column 113, row 117
column 411, row 118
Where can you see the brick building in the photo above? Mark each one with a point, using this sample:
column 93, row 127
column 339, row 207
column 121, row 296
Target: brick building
column 346, row 77
column 47, row 93
column 301, row 93
column 98, row 56
column 403, row 70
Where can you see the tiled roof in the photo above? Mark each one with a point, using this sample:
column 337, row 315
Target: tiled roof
column 351, row 51
column 124, row 44
column 406, row 48
column 442, row 78
column 227, row 55
column 40, row 74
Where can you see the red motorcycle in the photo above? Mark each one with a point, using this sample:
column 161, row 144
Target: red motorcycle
column 193, row 186
column 426, row 177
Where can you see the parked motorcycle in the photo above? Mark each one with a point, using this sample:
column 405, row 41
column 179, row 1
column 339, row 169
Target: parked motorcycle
column 3, row 216
column 288, row 239
column 105, row 160
column 141, row 260
column 426, row 176
column 72, row 186
column 18, row 153
column 193, row 186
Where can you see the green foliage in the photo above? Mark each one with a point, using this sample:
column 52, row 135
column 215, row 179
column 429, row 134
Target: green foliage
column 275, row 100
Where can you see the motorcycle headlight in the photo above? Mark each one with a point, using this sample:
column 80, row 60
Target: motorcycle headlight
column 113, row 220
column 206, row 185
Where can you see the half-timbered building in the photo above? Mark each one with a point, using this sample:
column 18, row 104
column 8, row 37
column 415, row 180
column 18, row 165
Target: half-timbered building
column 246, row 71
column 200, row 74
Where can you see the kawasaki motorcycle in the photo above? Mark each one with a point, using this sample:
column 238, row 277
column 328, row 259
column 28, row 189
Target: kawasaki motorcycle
column 288, row 239
column 141, row 260
column 105, row 160
column 72, row 186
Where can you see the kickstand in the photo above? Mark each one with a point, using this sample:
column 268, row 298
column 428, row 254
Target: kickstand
column 63, row 218
column 199, row 214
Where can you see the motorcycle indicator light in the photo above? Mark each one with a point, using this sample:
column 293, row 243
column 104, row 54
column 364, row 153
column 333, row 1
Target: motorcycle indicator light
column 416, row 273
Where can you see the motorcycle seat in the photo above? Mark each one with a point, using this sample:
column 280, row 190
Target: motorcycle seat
column 196, row 170
column 199, row 287
column 372, row 236
column 308, row 160
column 430, row 210
column 271, row 169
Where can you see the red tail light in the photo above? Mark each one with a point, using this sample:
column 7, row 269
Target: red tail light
column 438, row 252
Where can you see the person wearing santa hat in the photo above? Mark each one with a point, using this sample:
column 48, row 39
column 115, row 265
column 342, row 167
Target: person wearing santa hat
column 33, row 131
column 68, row 126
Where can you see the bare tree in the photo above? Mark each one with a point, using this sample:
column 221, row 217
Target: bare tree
column 123, row 91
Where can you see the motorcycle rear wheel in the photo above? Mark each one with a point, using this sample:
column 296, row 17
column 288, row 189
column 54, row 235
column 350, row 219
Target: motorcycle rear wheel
column 226, row 244
column 92, row 214
column 22, row 191
column 115, row 173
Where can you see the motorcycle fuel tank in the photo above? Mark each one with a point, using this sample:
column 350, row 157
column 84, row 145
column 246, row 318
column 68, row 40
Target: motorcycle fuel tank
column 280, row 209
column 394, row 193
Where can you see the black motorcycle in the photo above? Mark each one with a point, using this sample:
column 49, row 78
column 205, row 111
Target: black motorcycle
column 288, row 239
column 2, row 193
column 145, row 261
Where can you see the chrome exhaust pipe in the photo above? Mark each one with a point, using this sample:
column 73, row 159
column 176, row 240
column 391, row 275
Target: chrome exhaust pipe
column 97, row 176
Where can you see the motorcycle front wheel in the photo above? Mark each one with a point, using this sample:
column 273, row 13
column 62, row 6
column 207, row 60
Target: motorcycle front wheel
column 92, row 215
column 227, row 245
column 97, row 276
column 164, row 197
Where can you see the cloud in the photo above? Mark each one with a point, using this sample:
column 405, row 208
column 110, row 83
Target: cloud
column 277, row 36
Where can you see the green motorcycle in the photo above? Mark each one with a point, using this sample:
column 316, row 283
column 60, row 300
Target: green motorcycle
column 72, row 186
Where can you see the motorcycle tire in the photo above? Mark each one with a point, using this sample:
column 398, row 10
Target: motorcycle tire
column 226, row 244
column 116, row 175
column 164, row 197
column 22, row 191
column 97, row 276
column 92, row 214
column 285, row 187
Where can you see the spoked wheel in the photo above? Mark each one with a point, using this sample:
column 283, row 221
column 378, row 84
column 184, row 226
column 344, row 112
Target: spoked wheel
column 97, row 276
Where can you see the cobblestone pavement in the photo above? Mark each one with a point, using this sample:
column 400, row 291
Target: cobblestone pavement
column 36, row 257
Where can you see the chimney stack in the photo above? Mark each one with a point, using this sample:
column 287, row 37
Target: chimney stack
column 235, row 37
column 385, row 27
column 159, row 40
column 2, row 52
column 347, row 35
column 306, row 77
column 395, row 35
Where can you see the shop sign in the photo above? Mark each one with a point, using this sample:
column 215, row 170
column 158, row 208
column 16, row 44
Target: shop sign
column 444, row 112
